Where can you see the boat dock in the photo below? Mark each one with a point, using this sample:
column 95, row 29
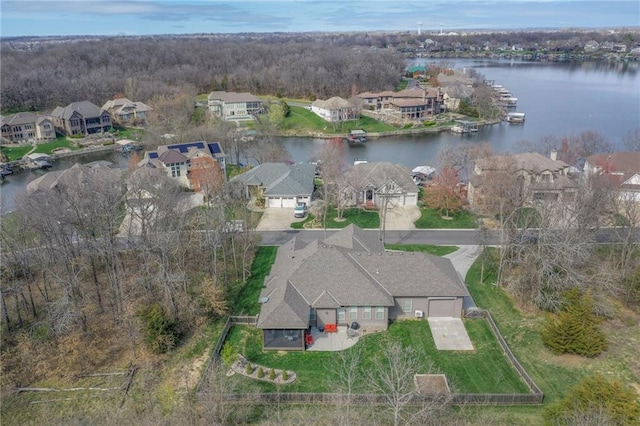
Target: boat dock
column 515, row 117
column 463, row 126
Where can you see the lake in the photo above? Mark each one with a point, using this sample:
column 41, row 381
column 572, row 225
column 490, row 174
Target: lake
column 558, row 99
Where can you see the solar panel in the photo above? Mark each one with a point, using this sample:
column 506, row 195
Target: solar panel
column 214, row 147
column 184, row 147
column 153, row 154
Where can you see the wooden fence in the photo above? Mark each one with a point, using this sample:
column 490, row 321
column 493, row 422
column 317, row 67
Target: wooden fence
column 534, row 398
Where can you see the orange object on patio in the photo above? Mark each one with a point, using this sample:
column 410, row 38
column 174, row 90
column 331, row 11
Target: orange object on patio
column 331, row 328
column 309, row 339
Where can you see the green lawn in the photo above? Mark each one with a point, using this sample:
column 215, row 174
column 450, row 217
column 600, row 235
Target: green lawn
column 48, row 147
column 301, row 119
column 127, row 133
column 483, row 370
column 14, row 153
column 424, row 248
column 362, row 218
column 553, row 374
column 246, row 302
column 431, row 219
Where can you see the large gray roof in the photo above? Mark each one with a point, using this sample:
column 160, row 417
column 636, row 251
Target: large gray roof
column 380, row 173
column 84, row 108
column 349, row 269
column 233, row 97
column 280, row 179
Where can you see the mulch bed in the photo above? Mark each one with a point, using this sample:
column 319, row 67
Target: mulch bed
column 240, row 367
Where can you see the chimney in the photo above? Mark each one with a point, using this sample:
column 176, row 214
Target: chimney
column 553, row 155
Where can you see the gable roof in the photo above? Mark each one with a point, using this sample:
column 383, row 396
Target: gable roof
column 531, row 162
column 20, row 118
column 380, row 173
column 280, row 179
column 338, row 272
column 76, row 173
column 84, row 108
column 335, row 102
column 186, row 151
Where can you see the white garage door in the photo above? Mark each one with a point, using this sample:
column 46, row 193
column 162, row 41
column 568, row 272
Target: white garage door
column 275, row 202
column 442, row 308
column 289, row 202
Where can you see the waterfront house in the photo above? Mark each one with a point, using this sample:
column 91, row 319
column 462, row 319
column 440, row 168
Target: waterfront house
column 335, row 110
column 26, row 126
column 127, row 113
column 280, row 185
column 623, row 171
column 538, row 178
column 350, row 278
column 411, row 104
column 81, row 118
column 371, row 184
column 234, row 106
column 177, row 160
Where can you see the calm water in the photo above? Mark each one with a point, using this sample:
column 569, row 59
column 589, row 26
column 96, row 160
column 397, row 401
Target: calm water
column 558, row 99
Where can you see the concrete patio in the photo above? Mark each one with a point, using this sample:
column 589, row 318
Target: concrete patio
column 449, row 334
column 333, row 341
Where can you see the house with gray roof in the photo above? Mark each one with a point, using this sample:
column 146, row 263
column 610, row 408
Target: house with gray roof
column 539, row 178
column 81, row 118
column 281, row 185
column 234, row 106
column 412, row 104
column 374, row 183
column 335, row 110
column 350, row 277
column 126, row 113
column 26, row 126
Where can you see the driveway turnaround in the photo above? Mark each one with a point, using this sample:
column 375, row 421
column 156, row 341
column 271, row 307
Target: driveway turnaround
column 449, row 334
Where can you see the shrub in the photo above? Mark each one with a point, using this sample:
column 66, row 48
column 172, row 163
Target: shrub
column 260, row 373
column 249, row 369
column 576, row 329
column 595, row 399
column 229, row 355
column 159, row 329
column 285, row 375
column 272, row 374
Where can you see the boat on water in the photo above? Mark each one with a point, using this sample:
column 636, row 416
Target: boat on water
column 463, row 126
column 356, row 137
column 515, row 117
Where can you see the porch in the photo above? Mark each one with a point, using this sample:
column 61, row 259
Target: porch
column 340, row 340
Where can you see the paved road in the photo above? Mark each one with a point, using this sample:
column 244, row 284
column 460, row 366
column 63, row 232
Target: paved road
column 453, row 237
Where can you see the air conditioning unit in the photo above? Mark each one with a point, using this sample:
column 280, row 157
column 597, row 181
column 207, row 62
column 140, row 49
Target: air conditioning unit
column 419, row 314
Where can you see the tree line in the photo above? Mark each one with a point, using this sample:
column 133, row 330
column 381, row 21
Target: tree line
column 96, row 70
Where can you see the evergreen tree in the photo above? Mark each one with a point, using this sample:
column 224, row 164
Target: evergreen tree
column 575, row 330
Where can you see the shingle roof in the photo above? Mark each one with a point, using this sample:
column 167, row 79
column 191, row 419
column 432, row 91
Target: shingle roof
column 85, row 108
column 170, row 156
column 338, row 273
column 20, row 118
column 621, row 162
column 280, row 179
column 531, row 162
column 76, row 173
column 333, row 103
column 380, row 173
column 233, row 97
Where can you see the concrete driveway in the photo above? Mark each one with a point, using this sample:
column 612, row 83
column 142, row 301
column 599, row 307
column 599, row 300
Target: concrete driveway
column 449, row 334
column 401, row 218
column 462, row 259
column 275, row 219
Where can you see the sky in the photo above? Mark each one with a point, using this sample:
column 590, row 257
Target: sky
column 145, row 17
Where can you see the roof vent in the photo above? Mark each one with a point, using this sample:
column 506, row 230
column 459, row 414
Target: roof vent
column 377, row 271
column 263, row 300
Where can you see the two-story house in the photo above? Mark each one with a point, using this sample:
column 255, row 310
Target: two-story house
column 127, row 113
column 234, row 106
column 26, row 126
column 335, row 110
column 623, row 170
column 537, row 178
column 177, row 161
column 411, row 104
column 81, row 118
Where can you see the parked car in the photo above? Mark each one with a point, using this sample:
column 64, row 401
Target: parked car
column 300, row 210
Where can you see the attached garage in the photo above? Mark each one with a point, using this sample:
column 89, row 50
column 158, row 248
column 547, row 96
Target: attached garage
column 443, row 308
column 282, row 202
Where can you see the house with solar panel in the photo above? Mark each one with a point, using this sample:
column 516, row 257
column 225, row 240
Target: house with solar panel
column 178, row 159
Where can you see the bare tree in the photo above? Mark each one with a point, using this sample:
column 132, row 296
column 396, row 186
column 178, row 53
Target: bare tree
column 632, row 139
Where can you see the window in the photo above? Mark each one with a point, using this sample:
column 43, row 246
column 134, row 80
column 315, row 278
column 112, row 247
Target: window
column 75, row 123
column 407, row 305
column 312, row 315
column 353, row 313
column 366, row 314
column 380, row 312
column 341, row 314
column 175, row 169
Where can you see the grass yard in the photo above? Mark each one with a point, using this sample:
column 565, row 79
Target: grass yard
column 48, row 147
column 423, row 248
column 246, row 302
column 363, row 218
column 555, row 374
column 431, row 219
column 482, row 370
column 302, row 120
column 14, row 153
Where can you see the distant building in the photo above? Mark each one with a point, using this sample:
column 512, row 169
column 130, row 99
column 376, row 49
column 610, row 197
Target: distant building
column 26, row 126
column 335, row 110
column 177, row 161
column 411, row 104
column 81, row 118
column 234, row 106
column 622, row 168
column 127, row 113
